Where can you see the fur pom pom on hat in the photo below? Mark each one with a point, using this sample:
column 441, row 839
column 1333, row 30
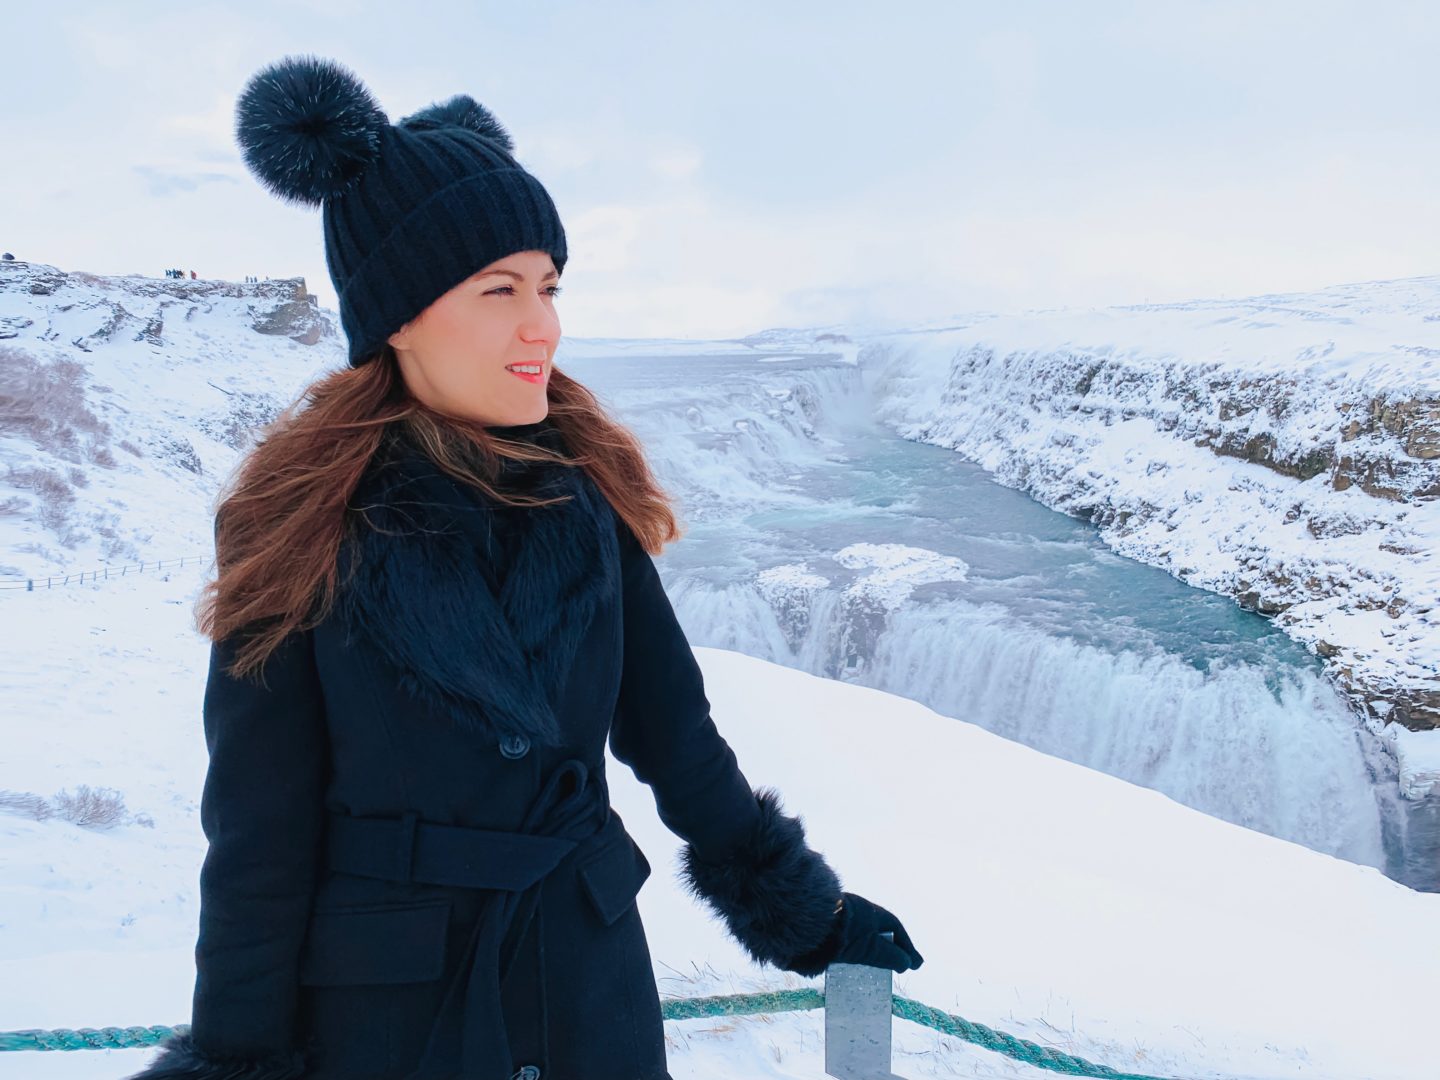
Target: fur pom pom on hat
column 410, row 209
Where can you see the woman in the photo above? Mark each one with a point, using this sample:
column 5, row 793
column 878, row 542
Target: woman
column 435, row 604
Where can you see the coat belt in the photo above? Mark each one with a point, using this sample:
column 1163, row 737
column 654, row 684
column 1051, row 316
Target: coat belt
column 469, row 1037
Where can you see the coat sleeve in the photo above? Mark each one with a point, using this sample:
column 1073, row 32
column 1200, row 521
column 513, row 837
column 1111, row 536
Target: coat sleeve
column 262, row 810
column 746, row 858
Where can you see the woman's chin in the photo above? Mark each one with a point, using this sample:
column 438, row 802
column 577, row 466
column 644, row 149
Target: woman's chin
column 523, row 415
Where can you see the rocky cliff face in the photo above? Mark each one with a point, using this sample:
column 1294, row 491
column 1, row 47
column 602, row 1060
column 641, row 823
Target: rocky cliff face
column 1386, row 446
column 1284, row 450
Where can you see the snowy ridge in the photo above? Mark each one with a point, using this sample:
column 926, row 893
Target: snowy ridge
column 131, row 400
column 1283, row 449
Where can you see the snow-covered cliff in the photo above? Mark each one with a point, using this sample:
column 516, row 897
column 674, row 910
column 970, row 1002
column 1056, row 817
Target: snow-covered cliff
column 1282, row 449
column 126, row 394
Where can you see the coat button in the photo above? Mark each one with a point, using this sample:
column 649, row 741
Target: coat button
column 516, row 746
column 527, row 1072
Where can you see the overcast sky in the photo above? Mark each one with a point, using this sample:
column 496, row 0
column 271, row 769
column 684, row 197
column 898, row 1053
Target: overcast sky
column 725, row 167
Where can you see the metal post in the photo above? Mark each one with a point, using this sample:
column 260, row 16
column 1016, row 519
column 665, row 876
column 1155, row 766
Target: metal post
column 858, row 1022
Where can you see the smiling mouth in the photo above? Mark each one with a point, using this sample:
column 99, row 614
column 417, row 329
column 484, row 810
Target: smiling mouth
column 534, row 373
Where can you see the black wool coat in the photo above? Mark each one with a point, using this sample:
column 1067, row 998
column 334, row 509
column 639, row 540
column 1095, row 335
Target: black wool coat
column 414, row 870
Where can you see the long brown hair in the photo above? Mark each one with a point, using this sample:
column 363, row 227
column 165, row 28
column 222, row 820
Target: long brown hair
column 280, row 525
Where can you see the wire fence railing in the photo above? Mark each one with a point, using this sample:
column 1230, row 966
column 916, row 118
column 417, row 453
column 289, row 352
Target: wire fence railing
column 104, row 573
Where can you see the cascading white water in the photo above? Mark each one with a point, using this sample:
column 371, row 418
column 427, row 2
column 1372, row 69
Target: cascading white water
column 818, row 540
column 1292, row 765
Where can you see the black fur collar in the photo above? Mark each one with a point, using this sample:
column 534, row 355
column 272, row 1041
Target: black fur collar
column 488, row 650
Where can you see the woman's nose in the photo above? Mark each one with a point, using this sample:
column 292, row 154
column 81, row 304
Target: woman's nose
column 540, row 325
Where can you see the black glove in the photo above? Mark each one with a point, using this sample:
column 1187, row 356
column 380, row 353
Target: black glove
column 858, row 938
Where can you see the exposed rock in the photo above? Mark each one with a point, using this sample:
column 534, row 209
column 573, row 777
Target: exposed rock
column 11, row 325
column 39, row 280
column 154, row 330
column 298, row 319
column 245, row 414
column 117, row 318
column 177, row 450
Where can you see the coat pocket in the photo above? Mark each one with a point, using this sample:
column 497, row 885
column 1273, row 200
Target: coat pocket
column 612, row 876
column 375, row 944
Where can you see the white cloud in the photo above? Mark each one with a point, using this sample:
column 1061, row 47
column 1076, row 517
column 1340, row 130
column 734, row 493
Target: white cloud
column 677, row 164
column 213, row 126
column 602, row 238
column 990, row 161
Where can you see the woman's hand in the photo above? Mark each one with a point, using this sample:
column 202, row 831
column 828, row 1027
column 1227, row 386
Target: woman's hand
column 859, row 938
column 863, row 941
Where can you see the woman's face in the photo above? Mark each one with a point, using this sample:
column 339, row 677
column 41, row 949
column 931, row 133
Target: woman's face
column 458, row 354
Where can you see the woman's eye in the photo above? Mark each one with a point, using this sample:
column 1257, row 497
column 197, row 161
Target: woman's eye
column 553, row 290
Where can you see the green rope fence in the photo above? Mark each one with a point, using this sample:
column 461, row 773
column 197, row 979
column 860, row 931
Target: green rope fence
column 686, row 1008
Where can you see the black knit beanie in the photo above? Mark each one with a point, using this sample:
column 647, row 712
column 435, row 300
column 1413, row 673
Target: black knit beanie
column 410, row 210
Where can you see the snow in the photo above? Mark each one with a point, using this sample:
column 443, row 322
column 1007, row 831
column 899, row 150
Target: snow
column 1419, row 755
column 1099, row 412
column 1049, row 900
column 896, row 569
column 1381, row 333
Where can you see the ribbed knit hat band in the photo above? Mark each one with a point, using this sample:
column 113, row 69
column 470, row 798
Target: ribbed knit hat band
column 410, row 210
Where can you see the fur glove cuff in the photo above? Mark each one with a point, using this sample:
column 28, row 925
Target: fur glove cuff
column 181, row 1059
column 777, row 895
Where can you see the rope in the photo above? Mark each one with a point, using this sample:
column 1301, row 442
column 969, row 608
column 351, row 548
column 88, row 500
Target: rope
column 683, row 1008
column 1009, row 1045
column 107, row 1038
column 773, row 1001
